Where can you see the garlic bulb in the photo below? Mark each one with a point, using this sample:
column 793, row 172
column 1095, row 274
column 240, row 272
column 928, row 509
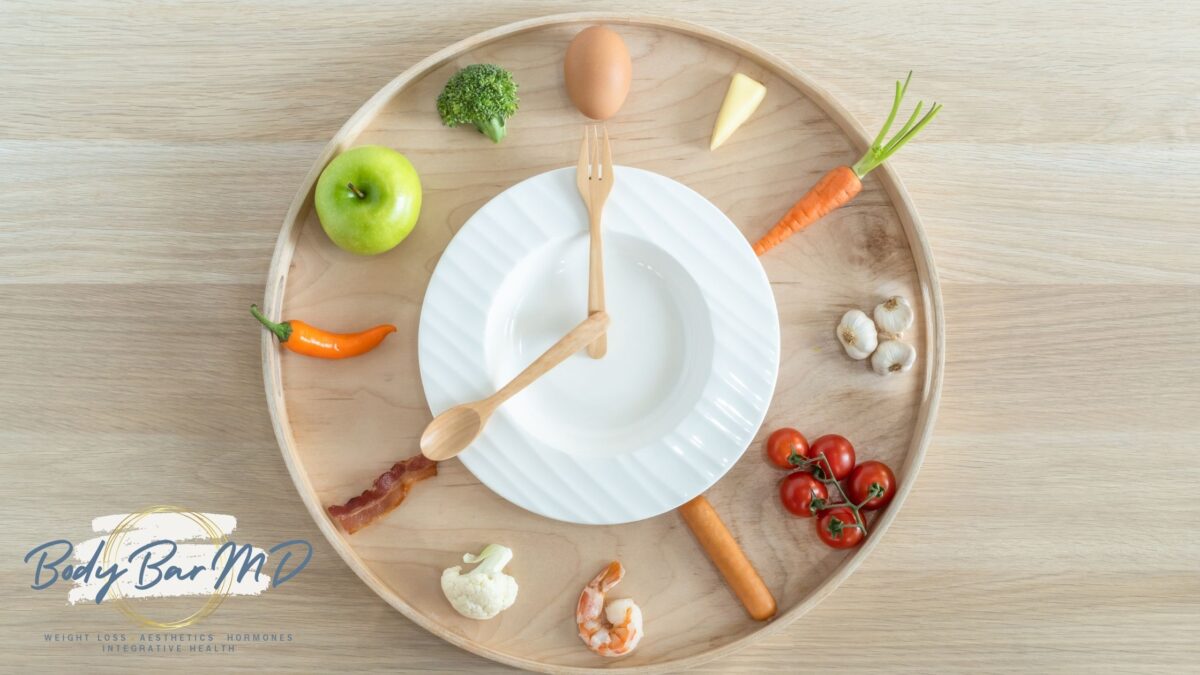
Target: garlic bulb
column 857, row 334
column 894, row 315
column 893, row 356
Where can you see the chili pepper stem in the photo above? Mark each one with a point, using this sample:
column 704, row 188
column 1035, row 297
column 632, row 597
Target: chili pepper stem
column 281, row 330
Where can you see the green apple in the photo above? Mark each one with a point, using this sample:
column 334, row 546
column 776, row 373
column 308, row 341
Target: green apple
column 368, row 199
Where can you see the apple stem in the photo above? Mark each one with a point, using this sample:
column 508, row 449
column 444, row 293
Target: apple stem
column 357, row 193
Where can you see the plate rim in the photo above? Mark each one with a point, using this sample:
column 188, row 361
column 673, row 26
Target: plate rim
column 906, row 211
column 550, row 178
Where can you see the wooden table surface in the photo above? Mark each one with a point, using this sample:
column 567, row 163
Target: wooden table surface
column 148, row 152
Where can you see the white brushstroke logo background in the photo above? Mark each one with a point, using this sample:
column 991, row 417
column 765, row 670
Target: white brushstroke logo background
column 173, row 527
column 163, row 552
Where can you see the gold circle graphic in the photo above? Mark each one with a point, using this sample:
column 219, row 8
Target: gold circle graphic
column 215, row 536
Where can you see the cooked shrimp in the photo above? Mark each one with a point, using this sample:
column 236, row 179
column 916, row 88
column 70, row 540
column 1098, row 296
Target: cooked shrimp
column 609, row 631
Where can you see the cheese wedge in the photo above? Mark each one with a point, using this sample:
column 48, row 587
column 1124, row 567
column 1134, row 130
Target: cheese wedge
column 741, row 101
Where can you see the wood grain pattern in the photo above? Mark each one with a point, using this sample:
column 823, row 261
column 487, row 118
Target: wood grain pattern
column 1057, row 190
column 867, row 252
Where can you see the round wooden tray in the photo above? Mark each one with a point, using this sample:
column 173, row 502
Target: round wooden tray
column 341, row 423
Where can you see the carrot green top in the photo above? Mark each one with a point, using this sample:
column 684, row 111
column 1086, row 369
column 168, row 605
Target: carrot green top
column 879, row 151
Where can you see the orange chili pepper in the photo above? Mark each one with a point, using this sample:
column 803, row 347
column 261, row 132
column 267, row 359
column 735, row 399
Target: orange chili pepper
column 305, row 339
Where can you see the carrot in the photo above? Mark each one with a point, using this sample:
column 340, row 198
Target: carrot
column 833, row 190
column 839, row 186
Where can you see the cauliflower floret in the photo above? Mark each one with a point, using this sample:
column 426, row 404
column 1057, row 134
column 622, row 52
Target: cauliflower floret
column 486, row 590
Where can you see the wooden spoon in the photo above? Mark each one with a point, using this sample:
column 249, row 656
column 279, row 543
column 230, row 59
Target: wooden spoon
column 451, row 432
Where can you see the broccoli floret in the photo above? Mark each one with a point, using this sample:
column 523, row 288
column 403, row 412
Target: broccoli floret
column 481, row 94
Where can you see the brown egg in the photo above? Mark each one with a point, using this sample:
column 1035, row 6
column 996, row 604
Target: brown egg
column 598, row 72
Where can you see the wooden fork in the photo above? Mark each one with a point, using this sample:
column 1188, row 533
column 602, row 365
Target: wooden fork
column 594, row 176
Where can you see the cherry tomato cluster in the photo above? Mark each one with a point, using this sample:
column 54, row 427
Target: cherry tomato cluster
column 828, row 463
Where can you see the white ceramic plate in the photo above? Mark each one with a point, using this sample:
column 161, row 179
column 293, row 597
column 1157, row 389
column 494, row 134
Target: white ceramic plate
column 693, row 348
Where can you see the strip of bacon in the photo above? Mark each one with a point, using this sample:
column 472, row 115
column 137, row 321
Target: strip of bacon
column 386, row 494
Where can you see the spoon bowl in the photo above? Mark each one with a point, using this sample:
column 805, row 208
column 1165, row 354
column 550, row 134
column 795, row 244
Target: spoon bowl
column 451, row 432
